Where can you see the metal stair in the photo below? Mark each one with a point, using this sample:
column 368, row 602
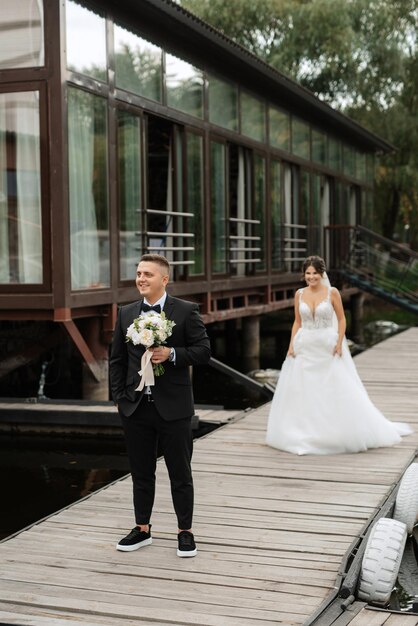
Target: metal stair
column 379, row 266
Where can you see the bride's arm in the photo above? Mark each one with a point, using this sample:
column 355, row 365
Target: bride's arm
column 296, row 325
column 342, row 324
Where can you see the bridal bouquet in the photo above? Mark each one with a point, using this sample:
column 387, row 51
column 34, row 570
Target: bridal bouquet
column 149, row 330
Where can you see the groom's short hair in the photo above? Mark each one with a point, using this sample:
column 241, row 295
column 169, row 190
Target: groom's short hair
column 156, row 258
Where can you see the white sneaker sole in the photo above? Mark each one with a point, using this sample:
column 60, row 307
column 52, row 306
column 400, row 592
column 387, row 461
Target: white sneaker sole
column 187, row 553
column 136, row 546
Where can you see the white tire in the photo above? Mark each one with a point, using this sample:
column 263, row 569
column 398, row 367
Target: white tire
column 381, row 561
column 406, row 506
column 408, row 570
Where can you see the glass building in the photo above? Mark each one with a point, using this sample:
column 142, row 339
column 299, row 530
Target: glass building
column 128, row 128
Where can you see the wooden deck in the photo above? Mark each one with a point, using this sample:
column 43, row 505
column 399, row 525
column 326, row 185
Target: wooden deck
column 272, row 530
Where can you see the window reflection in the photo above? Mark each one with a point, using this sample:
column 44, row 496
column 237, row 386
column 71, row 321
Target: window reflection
column 334, row 154
column 319, row 153
column 22, row 34
column 260, row 206
column 279, row 129
column 223, row 103
column 370, row 168
column 130, row 202
column 195, row 198
column 218, row 189
column 300, row 139
column 360, row 166
column 87, row 161
column 85, row 25
column 20, row 189
column 184, row 86
column 349, row 160
column 252, row 117
column 276, row 213
column 138, row 64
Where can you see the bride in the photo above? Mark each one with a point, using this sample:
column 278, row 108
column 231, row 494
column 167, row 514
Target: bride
column 320, row 405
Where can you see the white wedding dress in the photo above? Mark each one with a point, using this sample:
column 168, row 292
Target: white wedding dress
column 320, row 405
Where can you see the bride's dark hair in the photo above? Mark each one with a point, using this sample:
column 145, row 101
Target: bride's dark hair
column 315, row 261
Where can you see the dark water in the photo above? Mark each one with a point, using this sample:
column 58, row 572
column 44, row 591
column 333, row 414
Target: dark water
column 41, row 475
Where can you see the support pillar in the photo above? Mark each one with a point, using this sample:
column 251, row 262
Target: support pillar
column 357, row 311
column 251, row 342
column 96, row 387
column 231, row 342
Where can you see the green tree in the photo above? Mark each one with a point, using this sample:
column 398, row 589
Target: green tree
column 358, row 55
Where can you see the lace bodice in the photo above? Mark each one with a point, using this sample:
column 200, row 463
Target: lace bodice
column 320, row 317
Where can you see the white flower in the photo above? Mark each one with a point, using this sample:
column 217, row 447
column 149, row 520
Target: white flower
column 150, row 330
column 161, row 334
column 146, row 337
column 140, row 323
column 130, row 330
column 132, row 334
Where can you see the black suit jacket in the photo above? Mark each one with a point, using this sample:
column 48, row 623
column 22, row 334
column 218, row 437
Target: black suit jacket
column 172, row 392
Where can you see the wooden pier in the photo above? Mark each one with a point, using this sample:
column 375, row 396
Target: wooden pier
column 272, row 530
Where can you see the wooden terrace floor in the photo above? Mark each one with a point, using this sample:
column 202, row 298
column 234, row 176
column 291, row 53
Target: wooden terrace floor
column 272, row 529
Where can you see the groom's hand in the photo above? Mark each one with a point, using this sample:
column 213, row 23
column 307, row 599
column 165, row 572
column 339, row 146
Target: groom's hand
column 160, row 354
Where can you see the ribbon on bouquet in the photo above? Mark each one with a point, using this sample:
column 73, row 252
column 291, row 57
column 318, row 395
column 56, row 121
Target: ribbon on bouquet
column 146, row 372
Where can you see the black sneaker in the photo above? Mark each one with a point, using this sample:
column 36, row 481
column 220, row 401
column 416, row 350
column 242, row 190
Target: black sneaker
column 187, row 546
column 136, row 539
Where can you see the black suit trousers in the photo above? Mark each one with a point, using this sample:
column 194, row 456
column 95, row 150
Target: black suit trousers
column 146, row 432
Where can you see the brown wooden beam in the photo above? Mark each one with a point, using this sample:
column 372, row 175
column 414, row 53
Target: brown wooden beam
column 83, row 348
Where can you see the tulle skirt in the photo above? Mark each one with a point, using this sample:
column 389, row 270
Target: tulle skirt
column 320, row 405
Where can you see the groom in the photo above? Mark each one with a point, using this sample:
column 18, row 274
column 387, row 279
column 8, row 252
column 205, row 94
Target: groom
column 161, row 414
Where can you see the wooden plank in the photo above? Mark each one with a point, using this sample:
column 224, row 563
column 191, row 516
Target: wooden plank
column 121, row 604
column 235, row 574
column 370, row 618
column 272, row 529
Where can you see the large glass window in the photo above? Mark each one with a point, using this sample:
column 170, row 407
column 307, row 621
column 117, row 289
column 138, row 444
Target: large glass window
column 86, row 40
column 319, row 147
column 279, row 129
column 349, row 160
column 342, row 203
column 260, row 206
column 130, row 200
column 276, row 214
column 218, row 206
column 360, row 166
column 370, row 168
column 294, row 226
column 22, row 34
column 300, row 139
column 334, row 154
column 305, row 197
column 195, row 198
column 88, row 195
column 138, row 64
column 320, row 213
column 223, row 99
column 252, row 117
column 368, row 217
column 184, row 86
column 20, row 189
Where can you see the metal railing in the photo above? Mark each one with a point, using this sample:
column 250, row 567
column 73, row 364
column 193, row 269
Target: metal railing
column 239, row 252
column 375, row 263
column 295, row 245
